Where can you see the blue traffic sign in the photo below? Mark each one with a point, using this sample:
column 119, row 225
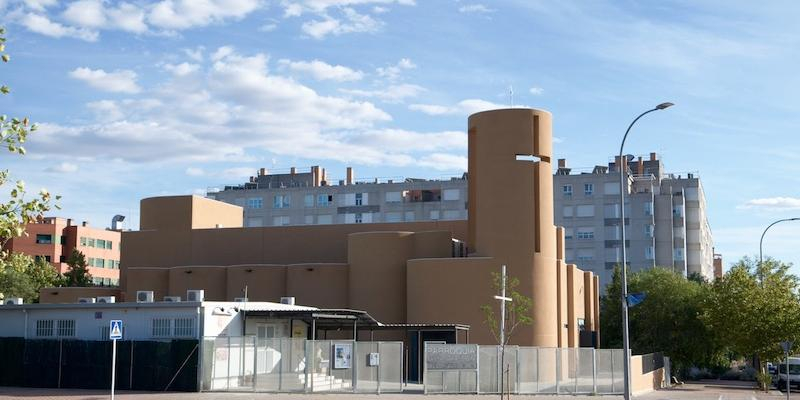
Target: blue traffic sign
column 115, row 329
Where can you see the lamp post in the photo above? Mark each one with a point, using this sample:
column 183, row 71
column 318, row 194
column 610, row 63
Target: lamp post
column 761, row 243
column 625, row 333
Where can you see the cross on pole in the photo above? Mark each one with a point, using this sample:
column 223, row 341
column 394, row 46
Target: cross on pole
column 503, row 300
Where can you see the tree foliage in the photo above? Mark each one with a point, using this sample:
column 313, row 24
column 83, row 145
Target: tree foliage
column 518, row 312
column 23, row 276
column 78, row 272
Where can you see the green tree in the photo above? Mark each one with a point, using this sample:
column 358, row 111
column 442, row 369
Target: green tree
column 754, row 307
column 518, row 312
column 23, row 276
column 670, row 319
column 78, row 272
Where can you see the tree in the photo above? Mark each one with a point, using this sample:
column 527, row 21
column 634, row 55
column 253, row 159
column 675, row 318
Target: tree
column 517, row 313
column 754, row 307
column 23, row 276
column 78, row 272
column 669, row 320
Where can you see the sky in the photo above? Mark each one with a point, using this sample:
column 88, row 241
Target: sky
column 147, row 98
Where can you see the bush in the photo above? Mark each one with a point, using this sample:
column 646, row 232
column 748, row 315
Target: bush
column 764, row 381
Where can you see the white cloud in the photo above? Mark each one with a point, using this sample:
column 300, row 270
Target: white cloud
column 44, row 26
column 181, row 69
column 121, row 81
column 352, row 22
column 475, row 8
column 64, row 167
column 40, row 5
column 296, row 8
column 221, row 53
column 444, row 162
column 464, row 107
column 774, row 203
column 391, row 93
column 87, row 13
column 195, row 54
column 94, row 14
column 393, row 72
column 185, row 14
column 194, row 171
column 536, row 91
column 324, row 71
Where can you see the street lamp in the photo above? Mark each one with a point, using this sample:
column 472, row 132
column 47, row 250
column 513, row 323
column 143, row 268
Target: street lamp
column 761, row 243
column 625, row 333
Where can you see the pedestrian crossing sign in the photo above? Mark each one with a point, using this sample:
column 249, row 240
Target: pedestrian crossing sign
column 115, row 329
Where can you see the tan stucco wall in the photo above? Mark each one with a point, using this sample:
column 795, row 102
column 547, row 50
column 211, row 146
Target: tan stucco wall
column 208, row 213
column 155, row 279
column 72, row 294
column 212, row 279
column 187, row 212
column 263, row 282
column 318, row 285
column 642, row 383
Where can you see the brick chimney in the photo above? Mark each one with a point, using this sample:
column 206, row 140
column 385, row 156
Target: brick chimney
column 350, row 176
column 562, row 163
column 653, row 156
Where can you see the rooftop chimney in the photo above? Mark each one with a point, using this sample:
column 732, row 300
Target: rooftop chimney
column 562, row 163
column 293, row 171
column 640, row 167
column 262, row 172
column 653, row 156
column 324, row 178
column 69, row 221
column 84, row 223
column 350, row 175
column 315, row 175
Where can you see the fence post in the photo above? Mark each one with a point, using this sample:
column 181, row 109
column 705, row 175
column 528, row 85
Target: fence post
column 594, row 371
column 538, row 365
column 576, row 359
column 255, row 362
column 354, row 362
column 229, row 365
column 378, row 372
column 130, row 370
column 558, row 370
column 60, row 352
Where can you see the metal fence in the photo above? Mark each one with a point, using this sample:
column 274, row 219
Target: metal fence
column 526, row 370
column 299, row 365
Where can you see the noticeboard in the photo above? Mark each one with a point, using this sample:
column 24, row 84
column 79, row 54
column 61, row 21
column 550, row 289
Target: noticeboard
column 451, row 356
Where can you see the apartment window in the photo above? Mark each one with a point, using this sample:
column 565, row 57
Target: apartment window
column 434, row 214
column 394, row 197
column 44, row 328
column 648, row 208
column 62, row 240
column 280, row 220
column 99, row 263
column 254, row 222
column 309, row 219
column 324, row 219
column 586, row 210
column 66, row 328
column 584, row 233
column 611, row 188
column 567, row 212
column 308, row 200
column 241, row 202
column 393, row 217
column 161, row 327
column 677, row 254
column 409, row 216
column 359, row 218
column 90, row 262
column 108, row 244
column 184, row 327
column 450, row 215
column 359, row 200
column 44, row 239
column 83, row 241
column 567, row 233
column 451, row 194
column 585, row 254
column 567, row 189
column 90, row 242
column 677, row 211
column 281, row 201
column 588, row 189
column 324, row 200
column 649, row 230
column 255, row 202
column 101, row 244
column 649, row 253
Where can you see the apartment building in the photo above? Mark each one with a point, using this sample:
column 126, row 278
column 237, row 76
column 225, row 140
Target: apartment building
column 309, row 198
column 54, row 239
column 665, row 218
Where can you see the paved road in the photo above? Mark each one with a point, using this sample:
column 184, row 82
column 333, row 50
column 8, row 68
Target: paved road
column 694, row 391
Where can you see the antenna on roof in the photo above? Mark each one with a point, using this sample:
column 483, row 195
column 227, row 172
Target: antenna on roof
column 511, row 95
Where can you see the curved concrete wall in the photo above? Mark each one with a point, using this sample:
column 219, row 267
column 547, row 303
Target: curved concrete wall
column 318, row 285
column 377, row 278
column 155, row 279
column 264, row 282
column 511, row 207
column 212, row 279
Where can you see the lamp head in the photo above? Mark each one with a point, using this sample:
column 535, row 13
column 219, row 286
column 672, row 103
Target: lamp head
column 664, row 105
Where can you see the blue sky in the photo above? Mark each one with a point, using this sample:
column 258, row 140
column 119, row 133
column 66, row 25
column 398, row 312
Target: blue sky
column 138, row 99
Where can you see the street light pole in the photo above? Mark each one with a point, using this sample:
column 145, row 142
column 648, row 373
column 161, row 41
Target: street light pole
column 625, row 333
column 761, row 243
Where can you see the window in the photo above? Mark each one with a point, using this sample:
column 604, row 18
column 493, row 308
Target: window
column 359, row 218
column 585, row 233
column 359, row 199
column 677, row 211
column 394, row 197
column 585, row 254
column 409, row 216
column 393, row 216
column 108, row 244
column 588, row 189
column 44, row 239
column 241, row 202
column 567, row 233
column 451, row 214
column 66, row 328
column 581, row 324
column 90, row 262
column 90, row 242
column 308, row 200
column 255, row 202
column 611, row 188
column 649, row 253
column 567, row 189
column 648, row 208
column 309, row 219
column 451, row 194
column 567, row 212
column 677, row 254
column 586, row 210
column 83, row 241
column 281, row 201
column 101, row 243
column 99, row 263
column 434, row 214
column 161, row 327
column 324, row 200
column 63, row 240
column 324, row 219
column 280, row 220
column 254, row 222
column 611, row 210
column 44, row 328
column 649, row 230
column 184, row 327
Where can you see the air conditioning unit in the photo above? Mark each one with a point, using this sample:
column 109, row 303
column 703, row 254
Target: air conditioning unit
column 287, row 300
column 172, row 299
column 144, row 296
column 13, row 301
column 107, row 299
column 195, row 295
column 240, row 299
column 87, row 300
